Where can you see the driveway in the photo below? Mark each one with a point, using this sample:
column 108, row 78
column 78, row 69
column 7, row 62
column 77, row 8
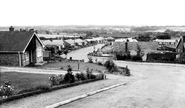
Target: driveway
column 164, row 87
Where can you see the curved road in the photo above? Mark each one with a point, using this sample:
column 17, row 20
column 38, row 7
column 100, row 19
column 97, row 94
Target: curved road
column 163, row 88
column 82, row 53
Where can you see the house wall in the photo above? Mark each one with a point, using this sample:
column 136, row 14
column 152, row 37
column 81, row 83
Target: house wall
column 25, row 58
column 39, row 52
column 180, row 50
column 9, row 59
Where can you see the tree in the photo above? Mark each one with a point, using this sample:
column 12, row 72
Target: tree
column 89, row 34
column 47, row 32
column 163, row 36
column 144, row 37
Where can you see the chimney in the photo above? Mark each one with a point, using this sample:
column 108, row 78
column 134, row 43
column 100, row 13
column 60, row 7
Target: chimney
column 11, row 28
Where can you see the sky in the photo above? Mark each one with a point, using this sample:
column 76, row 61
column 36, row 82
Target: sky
column 91, row 12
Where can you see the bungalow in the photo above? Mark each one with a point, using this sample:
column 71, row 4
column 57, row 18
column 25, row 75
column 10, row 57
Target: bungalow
column 20, row 48
column 167, row 42
column 80, row 42
column 59, row 44
column 71, row 42
column 132, row 47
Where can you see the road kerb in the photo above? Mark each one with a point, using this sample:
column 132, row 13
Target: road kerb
column 84, row 95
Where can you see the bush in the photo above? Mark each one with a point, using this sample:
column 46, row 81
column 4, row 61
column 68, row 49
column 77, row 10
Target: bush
column 69, row 78
column 111, row 67
column 100, row 63
column 90, row 60
column 6, row 90
column 81, row 76
column 53, row 80
column 136, row 58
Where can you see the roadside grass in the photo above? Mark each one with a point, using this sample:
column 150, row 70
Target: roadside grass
column 74, row 65
column 21, row 81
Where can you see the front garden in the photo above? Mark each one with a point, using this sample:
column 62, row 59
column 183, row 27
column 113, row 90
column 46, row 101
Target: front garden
column 19, row 85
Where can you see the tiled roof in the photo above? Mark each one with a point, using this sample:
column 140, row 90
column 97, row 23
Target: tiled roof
column 14, row 41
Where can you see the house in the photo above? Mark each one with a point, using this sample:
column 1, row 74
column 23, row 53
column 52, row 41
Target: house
column 71, row 42
column 20, row 48
column 58, row 44
column 80, row 42
column 132, row 47
column 99, row 39
column 126, row 40
column 167, row 42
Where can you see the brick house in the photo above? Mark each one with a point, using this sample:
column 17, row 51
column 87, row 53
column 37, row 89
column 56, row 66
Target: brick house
column 20, row 48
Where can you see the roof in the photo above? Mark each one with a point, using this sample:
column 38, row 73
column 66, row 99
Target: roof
column 166, row 40
column 54, row 42
column 110, row 38
column 70, row 41
column 79, row 41
column 148, row 46
column 15, row 41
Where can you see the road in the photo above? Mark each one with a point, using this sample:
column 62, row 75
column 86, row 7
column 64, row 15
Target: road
column 82, row 53
column 164, row 87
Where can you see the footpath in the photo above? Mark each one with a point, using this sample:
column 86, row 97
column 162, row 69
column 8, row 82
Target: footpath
column 32, row 70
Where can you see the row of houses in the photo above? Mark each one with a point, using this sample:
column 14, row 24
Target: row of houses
column 171, row 49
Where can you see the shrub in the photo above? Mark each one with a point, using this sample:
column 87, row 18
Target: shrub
column 69, row 78
column 53, row 80
column 100, row 63
column 6, row 90
column 81, row 76
column 111, row 67
column 136, row 58
column 125, row 71
column 90, row 60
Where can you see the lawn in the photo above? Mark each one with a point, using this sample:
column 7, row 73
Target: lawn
column 29, row 80
column 24, row 80
column 74, row 65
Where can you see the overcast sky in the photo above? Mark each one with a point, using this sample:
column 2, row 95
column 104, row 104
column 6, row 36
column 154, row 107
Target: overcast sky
column 92, row 12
